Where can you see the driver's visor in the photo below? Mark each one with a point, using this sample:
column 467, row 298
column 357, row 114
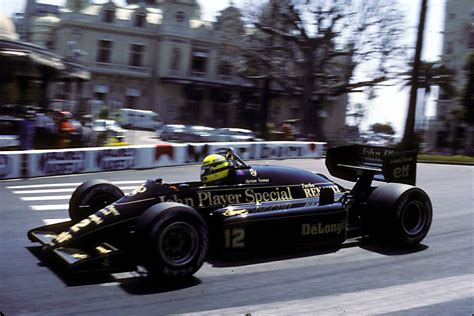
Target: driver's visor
column 214, row 167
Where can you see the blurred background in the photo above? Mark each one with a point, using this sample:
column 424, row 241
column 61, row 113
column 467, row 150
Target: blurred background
column 110, row 73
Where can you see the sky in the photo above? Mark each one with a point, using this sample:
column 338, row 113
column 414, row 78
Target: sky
column 390, row 103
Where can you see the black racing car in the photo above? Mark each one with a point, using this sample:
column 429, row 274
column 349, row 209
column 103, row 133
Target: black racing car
column 172, row 228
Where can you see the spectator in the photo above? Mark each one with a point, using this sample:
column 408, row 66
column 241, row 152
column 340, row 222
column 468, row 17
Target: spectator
column 27, row 132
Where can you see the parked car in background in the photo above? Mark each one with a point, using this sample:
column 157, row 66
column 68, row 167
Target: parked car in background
column 197, row 133
column 9, row 132
column 171, row 132
column 105, row 129
column 140, row 119
column 233, row 135
column 377, row 139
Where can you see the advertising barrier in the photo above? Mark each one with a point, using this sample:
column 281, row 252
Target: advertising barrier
column 37, row 163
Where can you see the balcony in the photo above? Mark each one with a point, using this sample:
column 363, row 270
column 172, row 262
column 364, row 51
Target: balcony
column 111, row 68
column 182, row 76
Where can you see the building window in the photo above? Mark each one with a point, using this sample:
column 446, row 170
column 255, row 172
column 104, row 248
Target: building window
column 140, row 20
column 199, row 63
column 136, row 55
column 104, row 51
column 471, row 40
column 449, row 48
column 100, row 92
column 109, row 16
column 131, row 102
column 179, row 16
column 452, row 16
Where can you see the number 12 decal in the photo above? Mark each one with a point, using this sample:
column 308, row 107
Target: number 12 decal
column 234, row 238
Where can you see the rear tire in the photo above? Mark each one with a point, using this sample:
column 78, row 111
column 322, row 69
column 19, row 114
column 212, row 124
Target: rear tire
column 92, row 196
column 172, row 240
column 398, row 215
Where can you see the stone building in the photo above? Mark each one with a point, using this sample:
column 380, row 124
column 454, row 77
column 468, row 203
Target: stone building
column 159, row 55
column 29, row 70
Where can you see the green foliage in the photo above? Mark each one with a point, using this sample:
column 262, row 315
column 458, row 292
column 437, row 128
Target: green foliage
column 468, row 97
column 382, row 128
column 446, row 159
column 433, row 74
column 104, row 113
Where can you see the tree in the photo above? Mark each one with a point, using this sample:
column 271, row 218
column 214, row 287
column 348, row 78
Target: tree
column 432, row 74
column 468, row 95
column 317, row 45
column 382, row 128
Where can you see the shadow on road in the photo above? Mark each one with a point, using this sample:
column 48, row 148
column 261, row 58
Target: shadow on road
column 391, row 251
column 135, row 282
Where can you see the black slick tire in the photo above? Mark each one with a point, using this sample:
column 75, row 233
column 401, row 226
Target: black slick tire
column 398, row 215
column 92, row 196
column 172, row 239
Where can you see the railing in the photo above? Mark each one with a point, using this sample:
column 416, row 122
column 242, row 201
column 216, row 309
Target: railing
column 203, row 76
column 98, row 64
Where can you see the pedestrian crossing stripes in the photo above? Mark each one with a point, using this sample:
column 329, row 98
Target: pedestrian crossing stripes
column 63, row 190
column 55, row 196
column 74, row 184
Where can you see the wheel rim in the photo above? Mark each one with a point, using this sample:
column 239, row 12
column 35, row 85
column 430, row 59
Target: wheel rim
column 178, row 243
column 413, row 218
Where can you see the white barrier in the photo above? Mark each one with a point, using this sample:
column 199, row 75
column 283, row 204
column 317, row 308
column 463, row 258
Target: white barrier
column 37, row 163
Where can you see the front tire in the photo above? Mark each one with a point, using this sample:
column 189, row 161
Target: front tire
column 172, row 240
column 92, row 196
column 398, row 215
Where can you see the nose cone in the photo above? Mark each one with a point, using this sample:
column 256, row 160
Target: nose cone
column 129, row 206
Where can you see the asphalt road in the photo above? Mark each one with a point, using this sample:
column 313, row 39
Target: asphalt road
column 438, row 278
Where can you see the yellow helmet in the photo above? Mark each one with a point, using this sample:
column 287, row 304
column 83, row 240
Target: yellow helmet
column 214, row 167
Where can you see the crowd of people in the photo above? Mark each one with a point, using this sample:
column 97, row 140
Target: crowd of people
column 37, row 129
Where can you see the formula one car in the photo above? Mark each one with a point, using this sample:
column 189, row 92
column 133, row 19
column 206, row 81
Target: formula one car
column 172, row 228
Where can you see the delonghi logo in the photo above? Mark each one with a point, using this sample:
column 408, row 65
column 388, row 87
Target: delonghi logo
column 320, row 229
column 117, row 159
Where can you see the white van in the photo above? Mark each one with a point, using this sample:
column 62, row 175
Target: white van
column 139, row 119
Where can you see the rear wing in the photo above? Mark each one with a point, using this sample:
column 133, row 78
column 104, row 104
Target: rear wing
column 381, row 163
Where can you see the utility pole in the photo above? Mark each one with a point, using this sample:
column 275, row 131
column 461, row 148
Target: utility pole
column 409, row 140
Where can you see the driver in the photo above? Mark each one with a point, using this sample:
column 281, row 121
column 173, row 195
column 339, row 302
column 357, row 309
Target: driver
column 215, row 169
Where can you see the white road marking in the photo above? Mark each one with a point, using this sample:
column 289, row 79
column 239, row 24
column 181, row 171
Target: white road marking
column 120, row 276
column 50, row 207
column 45, row 191
column 46, row 198
column 368, row 302
column 53, row 185
column 52, row 192
column 50, row 221
column 46, row 185
column 61, row 190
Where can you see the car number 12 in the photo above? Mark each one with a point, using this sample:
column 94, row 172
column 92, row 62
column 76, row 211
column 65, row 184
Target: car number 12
column 234, row 238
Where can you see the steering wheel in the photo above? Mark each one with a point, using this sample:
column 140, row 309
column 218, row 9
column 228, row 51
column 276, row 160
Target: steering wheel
column 234, row 159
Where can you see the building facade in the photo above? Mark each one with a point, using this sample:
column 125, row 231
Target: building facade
column 159, row 55
column 447, row 131
column 28, row 71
